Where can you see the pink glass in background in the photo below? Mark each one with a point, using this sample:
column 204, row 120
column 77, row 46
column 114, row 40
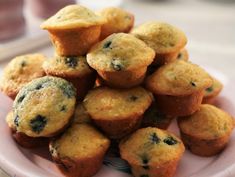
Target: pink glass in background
column 12, row 21
column 46, row 8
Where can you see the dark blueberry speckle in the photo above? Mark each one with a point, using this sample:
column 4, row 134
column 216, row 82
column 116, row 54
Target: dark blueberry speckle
column 71, row 61
column 23, row 63
column 144, row 158
column 116, row 65
column 20, row 99
column 107, row 44
column 68, row 90
column 154, row 138
column 145, row 161
column 38, row 87
column 63, row 108
column 172, row 44
column 210, row 89
column 38, row 123
column 170, row 141
column 193, row 84
column 16, row 120
column 179, row 55
column 133, row 98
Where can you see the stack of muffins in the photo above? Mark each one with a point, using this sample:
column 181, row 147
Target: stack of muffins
column 143, row 81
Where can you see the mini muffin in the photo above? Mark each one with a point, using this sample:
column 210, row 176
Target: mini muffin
column 80, row 114
column 44, row 107
column 73, row 30
column 121, row 60
column 183, row 55
column 21, row 138
column 79, row 151
column 117, row 112
column 179, row 87
column 165, row 39
column 73, row 69
column 207, row 131
column 19, row 71
column 118, row 20
column 152, row 152
column 154, row 118
column 212, row 92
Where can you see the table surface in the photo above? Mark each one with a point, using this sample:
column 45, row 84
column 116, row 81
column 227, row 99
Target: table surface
column 208, row 24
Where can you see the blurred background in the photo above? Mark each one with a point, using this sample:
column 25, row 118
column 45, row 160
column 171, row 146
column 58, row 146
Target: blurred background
column 208, row 24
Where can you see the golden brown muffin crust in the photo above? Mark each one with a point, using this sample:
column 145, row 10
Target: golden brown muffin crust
column 120, row 52
column 111, row 104
column 160, row 36
column 178, row 78
column 118, row 20
column 150, row 144
column 80, row 114
column 79, row 141
column 44, row 106
column 72, row 16
column 208, row 122
column 70, row 66
column 183, row 55
column 214, row 90
column 19, row 71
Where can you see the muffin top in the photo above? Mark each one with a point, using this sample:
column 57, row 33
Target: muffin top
column 80, row 114
column 118, row 20
column 72, row 16
column 44, row 106
column 183, row 55
column 151, row 146
column 70, row 66
column 79, row 141
column 215, row 89
column 208, row 122
column 113, row 104
column 178, row 78
column 10, row 120
column 160, row 36
column 19, row 71
column 120, row 52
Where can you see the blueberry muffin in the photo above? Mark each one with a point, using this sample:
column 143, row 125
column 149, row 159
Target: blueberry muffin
column 44, row 107
column 73, row 69
column 207, row 131
column 80, row 114
column 152, row 152
column 79, row 151
column 117, row 112
column 73, row 30
column 118, row 20
column 212, row 92
column 165, row 39
column 179, row 87
column 19, row 71
column 121, row 60
column 183, row 55
column 154, row 118
column 21, row 138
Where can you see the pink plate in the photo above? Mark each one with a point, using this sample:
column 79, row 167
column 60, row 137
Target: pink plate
column 20, row 162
